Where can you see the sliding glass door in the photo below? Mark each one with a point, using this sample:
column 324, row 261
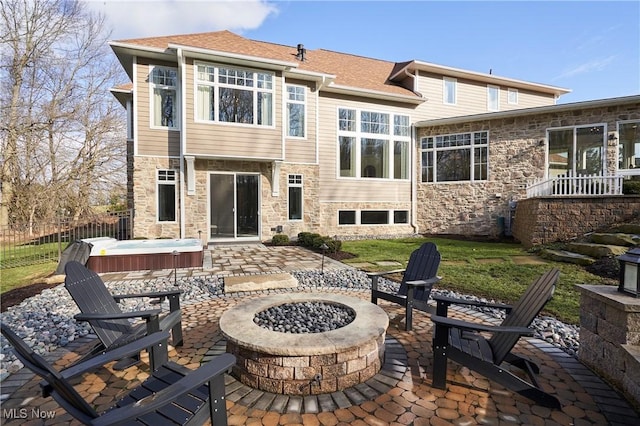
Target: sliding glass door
column 234, row 206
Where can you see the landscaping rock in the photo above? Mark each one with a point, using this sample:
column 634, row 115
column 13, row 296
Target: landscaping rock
column 618, row 239
column 567, row 256
column 597, row 251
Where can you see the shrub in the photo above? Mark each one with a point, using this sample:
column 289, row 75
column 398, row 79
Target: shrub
column 280, row 240
column 631, row 187
column 306, row 239
column 315, row 241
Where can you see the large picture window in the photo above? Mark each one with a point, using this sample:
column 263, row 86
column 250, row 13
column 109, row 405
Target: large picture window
column 578, row 151
column 166, row 184
column 230, row 95
column 164, row 89
column 296, row 117
column 629, row 146
column 455, row 158
column 373, row 144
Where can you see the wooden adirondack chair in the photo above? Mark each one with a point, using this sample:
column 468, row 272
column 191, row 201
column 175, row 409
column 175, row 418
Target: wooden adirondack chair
column 172, row 394
column 417, row 281
column 462, row 342
column 111, row 325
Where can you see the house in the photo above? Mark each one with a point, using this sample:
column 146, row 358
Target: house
column 232, row 139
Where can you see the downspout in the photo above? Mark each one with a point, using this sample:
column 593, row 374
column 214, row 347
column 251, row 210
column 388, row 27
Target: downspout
column 414, row 182
column 183, row 138
column 318, row 87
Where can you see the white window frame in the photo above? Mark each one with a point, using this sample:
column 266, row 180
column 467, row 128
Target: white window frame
column 170, row 179
column 358, row 217
column 389, row 136
column 296, row 101
column 176, row 103
column 628, row 170
column 446, row 81
column 434, row 149
column 295, row 181
column 493, row 89
column 257, row 78
column 512, row 96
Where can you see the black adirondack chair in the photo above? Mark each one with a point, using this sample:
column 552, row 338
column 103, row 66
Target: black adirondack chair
column 173, row 394
column 462, row 342
column 417, row 281
column 112, row 326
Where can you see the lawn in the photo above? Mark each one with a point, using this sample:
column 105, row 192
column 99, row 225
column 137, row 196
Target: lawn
column 484, row 269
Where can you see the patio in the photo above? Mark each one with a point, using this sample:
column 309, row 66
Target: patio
column 400, row 394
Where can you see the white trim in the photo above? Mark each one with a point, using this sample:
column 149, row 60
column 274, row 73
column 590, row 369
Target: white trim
column 628, row 171
column 515, row 93
column 285, row 112
column 174, row 183
column 358, row 216
column 574, row 128
column 471, row 147
column 295, row 185
column 248, row 60
column 136, row 95
column 177, row 101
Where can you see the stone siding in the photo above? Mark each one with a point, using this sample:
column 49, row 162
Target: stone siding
column 516, row 158
column 548, row 219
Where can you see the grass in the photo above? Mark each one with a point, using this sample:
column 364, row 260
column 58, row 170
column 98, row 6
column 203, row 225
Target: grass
column 484, row 269
column 11, row 278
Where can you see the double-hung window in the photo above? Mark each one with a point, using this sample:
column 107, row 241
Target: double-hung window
column 295, row 197
column 164, row 100
column 231, row 95
column 449, row 89
column 373, row 144
column 512, row 96
column 296, row 117
column 454, row 158
column 493, row 98
column 166, row 191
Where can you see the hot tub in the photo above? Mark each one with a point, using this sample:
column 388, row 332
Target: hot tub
column 111, row 255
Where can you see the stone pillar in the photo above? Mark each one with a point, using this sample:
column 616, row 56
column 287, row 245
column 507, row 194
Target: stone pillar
column 610, row 337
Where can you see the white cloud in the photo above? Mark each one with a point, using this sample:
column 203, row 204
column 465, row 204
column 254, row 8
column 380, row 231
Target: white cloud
column 147, row 18
column 595, row 65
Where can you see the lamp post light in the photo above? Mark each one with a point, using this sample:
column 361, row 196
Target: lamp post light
column 630, row 272
column 324, row 248
column 175, row 254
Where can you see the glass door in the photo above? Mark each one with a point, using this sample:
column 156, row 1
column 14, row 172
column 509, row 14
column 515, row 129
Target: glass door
column 234, row 206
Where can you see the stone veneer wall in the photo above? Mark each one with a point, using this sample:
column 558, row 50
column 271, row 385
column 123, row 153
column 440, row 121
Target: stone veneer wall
column 610, row 337
column 516, row 158
column 144, row 180
column 549, row 219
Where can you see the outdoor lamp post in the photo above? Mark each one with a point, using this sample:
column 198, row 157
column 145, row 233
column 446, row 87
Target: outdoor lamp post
column 324, row 248
column 175, row 254
column 630, row 272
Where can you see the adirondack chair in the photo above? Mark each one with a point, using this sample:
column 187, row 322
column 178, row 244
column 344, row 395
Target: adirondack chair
column 417, row 281
column 172, row 394
column 100, row 308
column 462, row 342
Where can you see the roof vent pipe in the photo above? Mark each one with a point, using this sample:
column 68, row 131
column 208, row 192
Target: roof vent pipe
column 301, row 52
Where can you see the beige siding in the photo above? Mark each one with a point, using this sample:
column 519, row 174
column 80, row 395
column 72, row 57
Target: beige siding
column 299, row 150
column 471, row 98
column 232, row 140
column 156, row 142
column 362, row 190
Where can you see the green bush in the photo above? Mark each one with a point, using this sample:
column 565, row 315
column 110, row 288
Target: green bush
column 280, row 240
column 315, row 241
column 306, row 239
column 631, row 187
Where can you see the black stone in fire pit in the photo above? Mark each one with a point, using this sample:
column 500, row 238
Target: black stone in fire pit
column 305, row 317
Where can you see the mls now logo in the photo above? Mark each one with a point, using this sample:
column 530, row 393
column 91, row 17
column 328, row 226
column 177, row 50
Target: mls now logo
column 25, row 413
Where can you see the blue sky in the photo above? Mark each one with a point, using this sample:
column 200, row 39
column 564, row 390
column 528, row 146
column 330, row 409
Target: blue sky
column 590, row 47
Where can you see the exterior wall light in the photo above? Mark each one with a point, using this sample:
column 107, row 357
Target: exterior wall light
column 630, row 272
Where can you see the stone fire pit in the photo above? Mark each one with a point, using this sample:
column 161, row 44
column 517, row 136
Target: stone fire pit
column 309, row 363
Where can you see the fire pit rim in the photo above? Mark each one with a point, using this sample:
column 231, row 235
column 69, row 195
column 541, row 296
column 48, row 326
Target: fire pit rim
column 237, row 325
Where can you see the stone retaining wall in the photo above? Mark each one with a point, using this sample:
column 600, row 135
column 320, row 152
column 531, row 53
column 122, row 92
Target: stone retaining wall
column 610, row 337
column 548, row 219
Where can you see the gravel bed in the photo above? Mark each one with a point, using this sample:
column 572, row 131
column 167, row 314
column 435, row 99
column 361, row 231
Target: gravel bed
column 46, row 321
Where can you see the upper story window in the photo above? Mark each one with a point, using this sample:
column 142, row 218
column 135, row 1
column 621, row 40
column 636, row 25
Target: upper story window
column 373, row 144
column 493, row 98
column 164, row 100
column 449, row 86
column 296, row 108
column 512, row 96
column 231, row 95
column 629, row 145
column 454, row 158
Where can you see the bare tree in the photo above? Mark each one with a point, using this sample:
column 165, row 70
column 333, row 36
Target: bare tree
column 61, row 131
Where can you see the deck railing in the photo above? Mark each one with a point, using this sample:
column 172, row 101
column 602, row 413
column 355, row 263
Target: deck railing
column 580, row 185
column 42, row 242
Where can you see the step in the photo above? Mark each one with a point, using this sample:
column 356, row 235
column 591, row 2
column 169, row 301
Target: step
column 597, row 251
column 567, row 257
column 618, row 239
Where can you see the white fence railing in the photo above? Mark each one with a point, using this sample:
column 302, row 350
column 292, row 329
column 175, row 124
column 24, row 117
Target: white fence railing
column 581, row 185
